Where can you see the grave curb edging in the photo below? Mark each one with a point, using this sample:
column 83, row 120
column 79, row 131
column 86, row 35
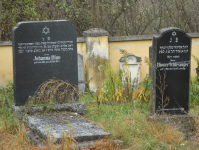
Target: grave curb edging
column 20, row 112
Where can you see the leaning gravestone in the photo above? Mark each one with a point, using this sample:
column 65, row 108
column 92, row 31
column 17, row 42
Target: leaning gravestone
column 170, row 68
column 42, row 50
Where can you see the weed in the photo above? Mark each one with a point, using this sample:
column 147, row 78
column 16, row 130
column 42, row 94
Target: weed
column 168, row 134
column 142, row 90
column 196, row 59
column 54, row 92
column 118, row 86
column 161, row 87
column 194, row 90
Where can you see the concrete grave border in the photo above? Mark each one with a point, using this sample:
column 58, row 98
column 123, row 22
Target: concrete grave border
column 20, row 112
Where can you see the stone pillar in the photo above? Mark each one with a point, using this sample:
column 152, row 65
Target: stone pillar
column 96, row 49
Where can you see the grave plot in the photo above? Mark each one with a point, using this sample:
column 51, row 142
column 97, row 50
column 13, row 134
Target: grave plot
column 44, row 57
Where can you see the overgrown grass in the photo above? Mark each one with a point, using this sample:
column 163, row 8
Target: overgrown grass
column 126, row 121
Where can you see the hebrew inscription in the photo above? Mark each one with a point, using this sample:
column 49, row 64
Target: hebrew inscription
column 170, row 66
column 43, row 50
column 173, row 54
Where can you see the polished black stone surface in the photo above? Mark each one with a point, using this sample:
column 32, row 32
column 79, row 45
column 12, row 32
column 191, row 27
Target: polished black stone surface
column 172, row 49
column 41, row 51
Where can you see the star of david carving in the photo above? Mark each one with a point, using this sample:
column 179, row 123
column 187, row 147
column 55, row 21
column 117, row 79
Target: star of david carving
column 174, row 33
column 46, row 30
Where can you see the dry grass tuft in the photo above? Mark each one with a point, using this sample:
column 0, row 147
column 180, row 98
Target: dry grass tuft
column 168, row 134
column 197, row 130
column 16, row 141
column 104, row 144
column 54, row 92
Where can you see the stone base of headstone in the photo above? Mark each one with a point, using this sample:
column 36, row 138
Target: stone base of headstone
column 184, row 123
column 81, row 87
column 21, row 111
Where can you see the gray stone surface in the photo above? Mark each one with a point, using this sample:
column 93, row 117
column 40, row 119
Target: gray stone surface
column 56, row 124
column 80, row 40
column 81, row 81
column 34, row 139
column 95, row 32
column 6, row 43
column 71, row 107
column 129, row 55
column 130, row 38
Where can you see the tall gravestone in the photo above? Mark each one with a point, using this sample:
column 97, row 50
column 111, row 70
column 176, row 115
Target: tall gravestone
column 42, row 50
column 170, row 67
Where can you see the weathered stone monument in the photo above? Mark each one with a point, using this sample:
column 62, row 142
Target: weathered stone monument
column 42, row 50
column 133, row 63
column 170, row 74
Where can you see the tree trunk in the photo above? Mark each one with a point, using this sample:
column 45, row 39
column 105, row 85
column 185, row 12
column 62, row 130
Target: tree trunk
column 95, row 10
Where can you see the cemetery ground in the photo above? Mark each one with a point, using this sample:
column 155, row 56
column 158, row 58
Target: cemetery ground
column 125, row 120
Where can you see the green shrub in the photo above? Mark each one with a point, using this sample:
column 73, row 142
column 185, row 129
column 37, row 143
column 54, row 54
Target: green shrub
column 194, row 90
column 113, row 89
column 142, row 91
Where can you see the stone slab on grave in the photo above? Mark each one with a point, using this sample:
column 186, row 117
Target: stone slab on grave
column 85, row 133
column 56, row 124
column 42, row 50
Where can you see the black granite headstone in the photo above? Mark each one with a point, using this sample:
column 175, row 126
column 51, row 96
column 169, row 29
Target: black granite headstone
column 42, row 50
column 171, row 55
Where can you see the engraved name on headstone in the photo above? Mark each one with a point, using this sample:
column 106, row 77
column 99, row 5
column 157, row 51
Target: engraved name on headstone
column 42, row 50
column 171, row 55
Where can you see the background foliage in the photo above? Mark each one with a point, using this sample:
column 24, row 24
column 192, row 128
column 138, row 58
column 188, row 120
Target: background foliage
column 118, row 17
